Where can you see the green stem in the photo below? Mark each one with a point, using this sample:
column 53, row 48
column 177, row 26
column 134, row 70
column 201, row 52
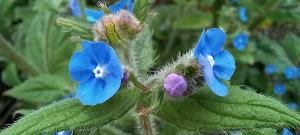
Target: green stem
column 137, row 83
column 217, row 6
column 12, row 55
column 145, row 123
column 46, row 46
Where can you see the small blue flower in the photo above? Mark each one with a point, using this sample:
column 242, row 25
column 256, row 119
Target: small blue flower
column 270, row 69
column 75, row 7
column 240, row 41
column 94, row 15
column 243, row 14
column 293, row 106
column 217, row 63
column 286, row 131
column 279, row 89
column 63, row 133
column 291, row 72
column 98, row 71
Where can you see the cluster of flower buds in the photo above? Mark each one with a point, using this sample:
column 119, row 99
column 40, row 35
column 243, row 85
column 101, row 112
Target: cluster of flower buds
column 122, row 25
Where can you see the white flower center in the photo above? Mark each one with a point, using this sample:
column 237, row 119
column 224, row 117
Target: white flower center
column 99, row 72
column 211, row 60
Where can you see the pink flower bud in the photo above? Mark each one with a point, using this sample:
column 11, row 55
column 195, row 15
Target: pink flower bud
column 175, row 85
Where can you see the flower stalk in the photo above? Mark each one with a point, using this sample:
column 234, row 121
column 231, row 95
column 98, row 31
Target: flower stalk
column 137, row 83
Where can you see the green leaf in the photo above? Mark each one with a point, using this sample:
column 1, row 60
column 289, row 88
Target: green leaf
column 291, row 45
column 239, row 110
column 71, row 115
column 40, row 90
column 141, row 9
column 10, row 75
column 143, row 51
column 194, row 21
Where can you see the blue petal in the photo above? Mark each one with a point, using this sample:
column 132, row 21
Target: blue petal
column 200, row 45
column 224, row 65
column 241, row 41
column 279, row 89
column 270, row 69
column 81, row 67
column 118, row 6
column 130, row 5
column 214, row 41
column 286, row 131
column 98, row 51
column 75, row 7
column 96, row 91
column 213, row 83
column 243, row 14
column 93, row 15
column 63, row 133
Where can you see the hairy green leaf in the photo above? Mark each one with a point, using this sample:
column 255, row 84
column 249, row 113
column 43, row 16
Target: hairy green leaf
column 71, row 115
column 141, row 9
column 40, row 90
column 143, row 51
column 239, row 110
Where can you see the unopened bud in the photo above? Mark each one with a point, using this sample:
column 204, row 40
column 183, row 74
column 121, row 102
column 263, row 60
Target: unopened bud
column 175, row 85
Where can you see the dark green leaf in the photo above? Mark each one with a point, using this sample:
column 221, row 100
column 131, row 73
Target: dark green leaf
column 240, row 109
column 71, row 115
column 10, row 75
column 40, row 90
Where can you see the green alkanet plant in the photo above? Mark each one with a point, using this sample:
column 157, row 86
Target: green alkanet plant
column 112, row 81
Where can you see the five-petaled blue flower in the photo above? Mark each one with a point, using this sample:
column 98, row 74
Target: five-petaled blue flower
column 270, row 69
column 243, row 14
column 279, row 89
column 286, row 131
column 217, row 63
column 63, row 133
column 75, row 7
column 291, row 72
column 94, row 15
column 98, row 72
column 240, row 41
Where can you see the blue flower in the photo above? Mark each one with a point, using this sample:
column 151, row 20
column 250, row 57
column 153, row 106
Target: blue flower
column 217, row 63
column 241, row 41
column 279, row 89
column 286, row 131
column 291, row 72
column 63, row 133
column 98, row 71
column 270, row 69
column 75, row 7
column 243, row 14
column 293, row 106
column 94, row 15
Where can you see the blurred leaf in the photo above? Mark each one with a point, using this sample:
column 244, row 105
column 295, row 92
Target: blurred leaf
column 285, row 15
column 194, row 21
column 292, row 46
column 257, row 79
column 10, row 75
column 71, row 115
column 41, row 90
column 141, row 9
column 270, row 52
column 240, row 109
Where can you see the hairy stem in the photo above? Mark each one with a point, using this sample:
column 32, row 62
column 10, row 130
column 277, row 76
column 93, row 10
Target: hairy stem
column 137, row 83
column 145, row 122
column 12, row 55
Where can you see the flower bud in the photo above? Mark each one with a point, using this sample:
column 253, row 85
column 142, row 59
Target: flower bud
column 175, row 85
column 125, row 78
column 114, row 27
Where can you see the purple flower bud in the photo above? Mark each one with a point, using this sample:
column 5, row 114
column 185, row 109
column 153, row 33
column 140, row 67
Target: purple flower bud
column 125, row 77
column 175, row 85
